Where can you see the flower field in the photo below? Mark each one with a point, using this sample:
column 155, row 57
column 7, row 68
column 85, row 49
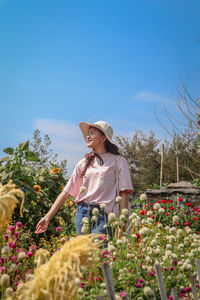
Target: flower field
column 69, row 267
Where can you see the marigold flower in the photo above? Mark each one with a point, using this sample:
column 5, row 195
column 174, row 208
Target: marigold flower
column 55, row 171
column 37, row 188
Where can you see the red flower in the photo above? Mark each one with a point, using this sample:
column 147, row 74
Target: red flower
column 164, row 201
column 180, row 199
column 167, row 214
column 142, row 212
column 188, row 223
column 149, row 203
column 187, row 213
column 169, row 201
column 188, row 204
column 158, row 201
column 172, row 208
column 196, row 219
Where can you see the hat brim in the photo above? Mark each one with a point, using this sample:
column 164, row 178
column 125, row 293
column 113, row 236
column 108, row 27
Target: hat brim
column 85, row 128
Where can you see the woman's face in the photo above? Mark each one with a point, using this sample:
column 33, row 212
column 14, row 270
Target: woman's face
column 94, row 138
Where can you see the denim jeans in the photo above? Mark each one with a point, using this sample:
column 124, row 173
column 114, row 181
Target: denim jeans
column 94, row 227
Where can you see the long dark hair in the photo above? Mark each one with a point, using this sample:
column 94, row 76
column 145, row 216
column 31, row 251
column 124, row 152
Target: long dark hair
column 113, row 149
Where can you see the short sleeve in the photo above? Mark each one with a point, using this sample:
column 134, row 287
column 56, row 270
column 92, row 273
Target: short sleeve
column 125, row 183
column 75, row 182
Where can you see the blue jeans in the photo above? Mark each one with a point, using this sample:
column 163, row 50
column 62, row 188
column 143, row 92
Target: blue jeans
column 94, row 227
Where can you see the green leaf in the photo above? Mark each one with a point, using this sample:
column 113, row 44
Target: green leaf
column 24, row 146
column 8, row 150
column 31, row 156
column 5, row 158
column 137, row 200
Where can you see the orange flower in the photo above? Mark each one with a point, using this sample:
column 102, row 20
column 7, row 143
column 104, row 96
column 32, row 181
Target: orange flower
column 55, row 171
column 69, row 202
column 37, row 188
column 62, row 187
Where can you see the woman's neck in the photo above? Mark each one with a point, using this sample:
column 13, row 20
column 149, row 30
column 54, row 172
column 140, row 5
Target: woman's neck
column 100, row 150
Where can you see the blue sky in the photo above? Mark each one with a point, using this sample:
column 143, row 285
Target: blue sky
column 62, row 62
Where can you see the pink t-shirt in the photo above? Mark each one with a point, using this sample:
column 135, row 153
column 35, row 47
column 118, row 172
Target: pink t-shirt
column 100, row 181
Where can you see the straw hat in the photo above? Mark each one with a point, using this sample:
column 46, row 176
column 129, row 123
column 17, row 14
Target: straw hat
column 103, row 126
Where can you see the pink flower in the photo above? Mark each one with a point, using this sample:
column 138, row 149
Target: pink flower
column 19, row 224
column 138, row 285
column 29, row 253
column 3, row 269
column 122, row 294
column 32, row 248
column 6, row 236
column 16, row 233
column 102, row 237
column 58, row 228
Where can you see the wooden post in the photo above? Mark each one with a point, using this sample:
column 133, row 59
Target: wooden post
column 197, row 261
column 161, row 166
column 174, row 293
column 99, row 297
column 163, row 293
column 109, row 281
column 177, row 169
column 194, row 288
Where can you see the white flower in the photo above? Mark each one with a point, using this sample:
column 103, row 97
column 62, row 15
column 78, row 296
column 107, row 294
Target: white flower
column 111, row 217
column 179, row 232
column 188, row 229
column 111, row 248
column 103, row 206
column 82, row 189
column 94, row 218
column 122, row 217
column 168, row 246
column 134, row 236
column 153, row 242
column 9, row 292
column 148, row 291
column 161, row 210
column 148, row 259
column 149, row 221
column 156, row 206
column 105, row 226
column 85, row 220
column 143, row 197
column 21, row 255
column 118, row 199
column 159, row 225
column 125, row 211
column 118, row 242
column 149, row 213
column 129, row 255
column 168, row 253
column 5, row 251
column 175, row 219
column 172, row 230
column 124, row 240
column 84, row 229
column 144, row 231
column 157, row 251
column 132, row 216
column 95, row 211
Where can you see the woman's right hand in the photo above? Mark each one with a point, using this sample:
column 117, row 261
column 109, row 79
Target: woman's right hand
column 42, row 225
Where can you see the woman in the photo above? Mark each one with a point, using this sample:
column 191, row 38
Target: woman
column 93, row 182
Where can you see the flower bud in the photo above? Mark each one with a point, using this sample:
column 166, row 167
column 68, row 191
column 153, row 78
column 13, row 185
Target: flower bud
column 5, row 280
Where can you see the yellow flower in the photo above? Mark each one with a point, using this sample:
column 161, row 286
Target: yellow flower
column 37, row 188
column 55, row 171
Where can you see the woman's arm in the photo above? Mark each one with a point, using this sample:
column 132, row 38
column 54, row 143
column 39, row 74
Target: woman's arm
column 124, row 201
column 44, row 222
column 57, row 205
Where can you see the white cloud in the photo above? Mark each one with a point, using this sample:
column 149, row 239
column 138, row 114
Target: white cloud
column 149, row 97
column 67, row 140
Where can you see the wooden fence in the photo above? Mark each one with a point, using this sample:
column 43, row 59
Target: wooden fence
column 163, row 295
